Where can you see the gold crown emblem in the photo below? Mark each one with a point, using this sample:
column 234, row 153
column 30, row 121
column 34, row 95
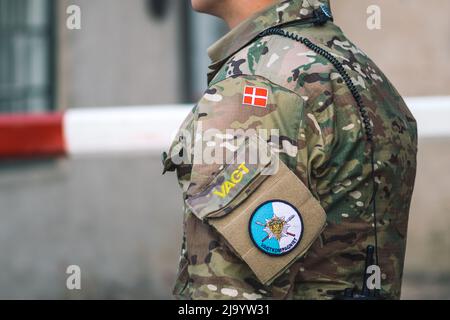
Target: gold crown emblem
column 276, row 226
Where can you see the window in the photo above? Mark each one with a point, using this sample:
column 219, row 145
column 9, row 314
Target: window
column 207, row 30
column 26, row 55
column 199, row 32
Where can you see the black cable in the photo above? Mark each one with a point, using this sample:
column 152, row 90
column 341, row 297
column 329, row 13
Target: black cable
column 368, row 129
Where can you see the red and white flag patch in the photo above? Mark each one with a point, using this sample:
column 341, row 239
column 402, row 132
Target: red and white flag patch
column 255, row 96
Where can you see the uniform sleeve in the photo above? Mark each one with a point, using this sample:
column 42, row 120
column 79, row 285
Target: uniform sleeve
column 242, row 105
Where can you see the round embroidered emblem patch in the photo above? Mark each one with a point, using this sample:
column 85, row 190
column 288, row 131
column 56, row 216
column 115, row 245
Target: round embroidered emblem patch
column 276, row 227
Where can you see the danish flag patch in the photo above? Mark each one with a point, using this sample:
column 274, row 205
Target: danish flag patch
column 255, row 96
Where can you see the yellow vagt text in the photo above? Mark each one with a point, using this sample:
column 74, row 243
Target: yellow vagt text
column 235, row 178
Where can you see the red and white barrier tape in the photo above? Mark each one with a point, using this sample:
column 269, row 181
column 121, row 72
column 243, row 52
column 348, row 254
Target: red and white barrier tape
column 25, row 135
column 90, row 131
column 142, row 129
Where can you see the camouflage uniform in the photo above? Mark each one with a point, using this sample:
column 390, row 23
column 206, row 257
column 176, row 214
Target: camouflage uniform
column 322, row 141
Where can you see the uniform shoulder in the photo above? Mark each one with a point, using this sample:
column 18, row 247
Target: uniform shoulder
column 279, row 60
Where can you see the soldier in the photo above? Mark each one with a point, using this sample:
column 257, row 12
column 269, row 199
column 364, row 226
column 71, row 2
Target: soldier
column 344, row 131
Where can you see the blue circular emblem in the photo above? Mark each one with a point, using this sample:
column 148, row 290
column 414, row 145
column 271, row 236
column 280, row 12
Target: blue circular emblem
column 276, row 227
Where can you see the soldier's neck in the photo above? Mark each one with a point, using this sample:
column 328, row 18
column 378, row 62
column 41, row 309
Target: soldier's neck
column 240, row 10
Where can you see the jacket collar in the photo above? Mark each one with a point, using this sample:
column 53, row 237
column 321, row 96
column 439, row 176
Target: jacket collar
column 283, row 12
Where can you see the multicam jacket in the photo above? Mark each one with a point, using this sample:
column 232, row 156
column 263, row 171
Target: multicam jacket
column 321, row 140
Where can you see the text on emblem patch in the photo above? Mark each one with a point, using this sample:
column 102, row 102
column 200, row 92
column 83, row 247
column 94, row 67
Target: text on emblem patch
column 276, row 227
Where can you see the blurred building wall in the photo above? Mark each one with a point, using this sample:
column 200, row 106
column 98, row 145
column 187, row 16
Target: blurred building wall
column 121, row 56
column 427, row 265
column 111, row 216
column 413, row 45
column 116, row 218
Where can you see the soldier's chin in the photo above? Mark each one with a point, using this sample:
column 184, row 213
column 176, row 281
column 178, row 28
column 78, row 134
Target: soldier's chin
column 205, row 6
